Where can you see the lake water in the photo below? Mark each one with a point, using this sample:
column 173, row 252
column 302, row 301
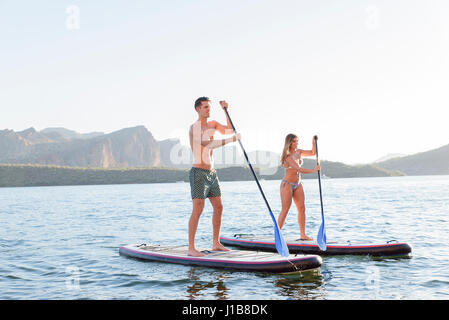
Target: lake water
column 62, row 242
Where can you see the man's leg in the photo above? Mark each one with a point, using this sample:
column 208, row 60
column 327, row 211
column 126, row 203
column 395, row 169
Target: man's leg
column 216, row 223
column 198, row 206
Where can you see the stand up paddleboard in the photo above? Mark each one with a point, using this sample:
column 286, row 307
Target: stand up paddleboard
column 236, row 259
column 311, row 247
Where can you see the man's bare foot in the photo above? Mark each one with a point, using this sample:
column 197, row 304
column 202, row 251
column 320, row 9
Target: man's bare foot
column 195, row 253
column 219, row 247
column 305, row 238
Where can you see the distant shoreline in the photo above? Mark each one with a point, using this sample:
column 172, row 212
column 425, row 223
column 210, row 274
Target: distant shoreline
column 33, row 175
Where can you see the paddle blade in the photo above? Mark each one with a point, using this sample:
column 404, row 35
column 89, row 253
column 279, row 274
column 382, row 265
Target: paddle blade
column 281, row 246
column 321, row 237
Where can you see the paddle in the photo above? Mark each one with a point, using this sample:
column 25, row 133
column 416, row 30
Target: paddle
column 281, row 246
column 321, row 237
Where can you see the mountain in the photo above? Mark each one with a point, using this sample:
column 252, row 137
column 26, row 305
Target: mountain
column 388, row 157
column 267, row 164
column 340, row 170
column 31, row 136
column 175, row 155
column 16, row 144
column 432, row 162
column 130, row 147
column 136, row 147
column 66, row 134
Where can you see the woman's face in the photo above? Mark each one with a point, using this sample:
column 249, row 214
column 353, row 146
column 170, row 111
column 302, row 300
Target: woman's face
column 294, row 144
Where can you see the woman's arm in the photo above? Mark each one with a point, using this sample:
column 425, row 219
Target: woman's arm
column 309, row 153
column 293, row 165
column 304, row 170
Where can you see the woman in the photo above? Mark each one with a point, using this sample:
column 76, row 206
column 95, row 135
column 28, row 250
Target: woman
column 291, row 186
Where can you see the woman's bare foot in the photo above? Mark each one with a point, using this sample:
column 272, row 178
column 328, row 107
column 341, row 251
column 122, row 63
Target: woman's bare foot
column 305, row 238
column 219, row 247
column 195, row 253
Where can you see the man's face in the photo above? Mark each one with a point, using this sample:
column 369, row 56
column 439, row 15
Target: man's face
column 204, row 109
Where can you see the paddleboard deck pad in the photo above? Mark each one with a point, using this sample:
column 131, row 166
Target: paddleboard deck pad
column 242, row 260
column 252, row 242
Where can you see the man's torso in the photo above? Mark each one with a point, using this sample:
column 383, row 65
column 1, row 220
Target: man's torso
column 202, row 156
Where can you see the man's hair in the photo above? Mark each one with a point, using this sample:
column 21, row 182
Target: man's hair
column 200, row 100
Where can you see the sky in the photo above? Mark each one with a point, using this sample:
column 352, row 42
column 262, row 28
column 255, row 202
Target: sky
column 368, row 77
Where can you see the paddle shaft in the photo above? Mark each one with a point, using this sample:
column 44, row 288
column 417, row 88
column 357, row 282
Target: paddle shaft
column 249, row 163
column 319, row 176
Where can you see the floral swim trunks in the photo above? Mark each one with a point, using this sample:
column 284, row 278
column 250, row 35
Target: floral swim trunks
column 204, row 183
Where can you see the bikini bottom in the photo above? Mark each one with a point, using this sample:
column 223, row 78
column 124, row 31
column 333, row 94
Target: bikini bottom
column 294, row 185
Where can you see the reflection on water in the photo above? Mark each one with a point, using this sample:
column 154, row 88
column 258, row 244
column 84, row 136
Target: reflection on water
column 301, row 286
column 199, row 287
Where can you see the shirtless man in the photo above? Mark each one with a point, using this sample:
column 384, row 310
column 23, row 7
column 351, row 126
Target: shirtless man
column 204, row 182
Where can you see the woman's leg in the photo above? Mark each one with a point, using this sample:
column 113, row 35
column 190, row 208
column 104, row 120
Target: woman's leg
column 286, row 199
column 299, row 198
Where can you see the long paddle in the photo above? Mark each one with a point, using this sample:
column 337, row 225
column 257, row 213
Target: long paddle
column 281, row 246
column 321, row 237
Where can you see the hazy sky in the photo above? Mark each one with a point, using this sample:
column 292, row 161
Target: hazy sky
column 369, row 77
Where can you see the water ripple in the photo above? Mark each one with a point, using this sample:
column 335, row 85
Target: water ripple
column 62, row 242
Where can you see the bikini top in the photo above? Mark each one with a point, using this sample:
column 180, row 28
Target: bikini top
column 297, row 162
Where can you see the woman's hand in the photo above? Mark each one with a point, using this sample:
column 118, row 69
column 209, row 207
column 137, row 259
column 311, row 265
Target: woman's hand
column 317, row 168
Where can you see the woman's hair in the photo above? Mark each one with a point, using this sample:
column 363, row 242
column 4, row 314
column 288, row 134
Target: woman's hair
column 286, row 151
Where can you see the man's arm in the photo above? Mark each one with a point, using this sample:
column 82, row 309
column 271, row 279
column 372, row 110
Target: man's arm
column 211, row 144
column 220, row 143
column 221, row 128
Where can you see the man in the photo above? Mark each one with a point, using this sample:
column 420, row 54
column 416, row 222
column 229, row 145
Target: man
column 204, row 182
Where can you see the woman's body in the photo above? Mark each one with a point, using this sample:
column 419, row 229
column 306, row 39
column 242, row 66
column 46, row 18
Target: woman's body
column 291, row 186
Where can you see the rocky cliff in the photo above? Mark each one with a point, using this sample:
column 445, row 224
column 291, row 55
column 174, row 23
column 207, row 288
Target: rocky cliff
column 136, row 147
column 130, row 147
